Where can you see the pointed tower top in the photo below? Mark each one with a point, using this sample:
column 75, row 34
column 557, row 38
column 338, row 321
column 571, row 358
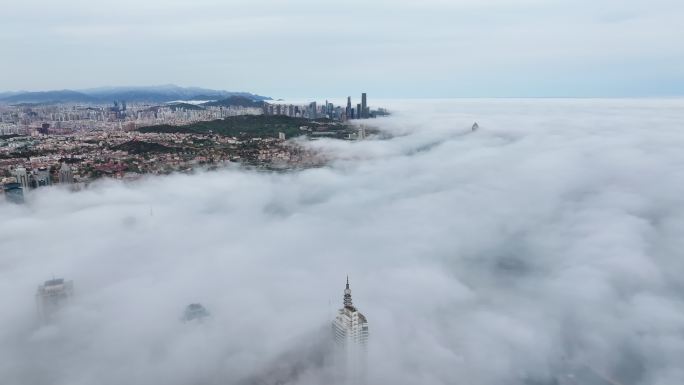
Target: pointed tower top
column 347, row 295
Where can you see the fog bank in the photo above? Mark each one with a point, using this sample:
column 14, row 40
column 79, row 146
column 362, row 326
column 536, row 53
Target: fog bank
column 543, row 247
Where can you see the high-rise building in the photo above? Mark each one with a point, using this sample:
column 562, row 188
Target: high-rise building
column 22, row 177
column 66, row 176
column 359, row 113
column 43, row 177
column 364, row 106
column 52, row 295
column 349, row 108
column 44, row 129
column 13, row 193
column 313, row 112
column 195, row 311
column 350, row 329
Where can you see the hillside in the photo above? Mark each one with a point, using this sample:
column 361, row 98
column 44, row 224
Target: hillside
column 184, row 106
column 235, row 101
column 140, row 147
column 250, row 126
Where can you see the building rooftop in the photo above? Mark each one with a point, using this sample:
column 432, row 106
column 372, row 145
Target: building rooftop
column 195, row 311
column 54, row 282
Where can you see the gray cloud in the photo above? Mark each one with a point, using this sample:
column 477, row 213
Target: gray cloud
column 545, row 244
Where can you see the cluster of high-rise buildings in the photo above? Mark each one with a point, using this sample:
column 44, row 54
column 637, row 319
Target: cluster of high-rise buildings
column 325, row 111
column 349, row 328
column 31, row 179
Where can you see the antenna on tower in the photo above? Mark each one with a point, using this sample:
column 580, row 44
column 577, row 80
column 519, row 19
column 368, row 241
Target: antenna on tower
column 347, row 295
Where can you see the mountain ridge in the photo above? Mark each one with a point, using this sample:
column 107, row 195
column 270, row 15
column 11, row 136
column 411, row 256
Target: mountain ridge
column 156, row 94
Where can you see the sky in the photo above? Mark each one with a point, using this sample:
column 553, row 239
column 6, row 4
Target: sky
column 390, row 49
column 546, row 245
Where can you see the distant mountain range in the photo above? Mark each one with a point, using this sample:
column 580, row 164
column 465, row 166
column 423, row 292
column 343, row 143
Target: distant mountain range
column 155, row 94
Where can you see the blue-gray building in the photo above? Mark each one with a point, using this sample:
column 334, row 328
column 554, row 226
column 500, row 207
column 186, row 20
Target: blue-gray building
column 14, row 193
column 364, row 107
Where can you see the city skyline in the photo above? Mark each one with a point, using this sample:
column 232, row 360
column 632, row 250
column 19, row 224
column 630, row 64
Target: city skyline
column 435, row 48
column 74, row 144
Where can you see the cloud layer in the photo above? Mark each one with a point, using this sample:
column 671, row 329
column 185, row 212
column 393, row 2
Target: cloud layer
column 545, row 245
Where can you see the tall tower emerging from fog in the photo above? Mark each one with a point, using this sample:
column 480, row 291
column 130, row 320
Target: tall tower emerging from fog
column 350, row 329
column 13, row 193
column 66, row 176
column 22, row 177
column 349, row 108
column 52, row 295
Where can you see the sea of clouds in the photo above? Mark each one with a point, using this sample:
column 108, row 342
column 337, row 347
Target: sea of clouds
column 544, row 248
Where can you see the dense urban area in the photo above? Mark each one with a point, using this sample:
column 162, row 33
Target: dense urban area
column 74, row 143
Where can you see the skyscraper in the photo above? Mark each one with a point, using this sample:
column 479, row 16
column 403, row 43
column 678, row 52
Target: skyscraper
column 313, row 111
column 359, row 113
column 22, row 177
column 13, row 193
column 66, row 176
column 364, row 107
column 52, row 295
column 349, row 108
column 43, row 177
column 350, row 329
column 194, row 311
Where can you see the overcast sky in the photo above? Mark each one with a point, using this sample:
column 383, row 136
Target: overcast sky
column 302, row 48
column 546, row 244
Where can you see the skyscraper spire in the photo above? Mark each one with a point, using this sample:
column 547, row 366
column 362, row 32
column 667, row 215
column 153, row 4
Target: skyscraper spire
column 347, row 295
